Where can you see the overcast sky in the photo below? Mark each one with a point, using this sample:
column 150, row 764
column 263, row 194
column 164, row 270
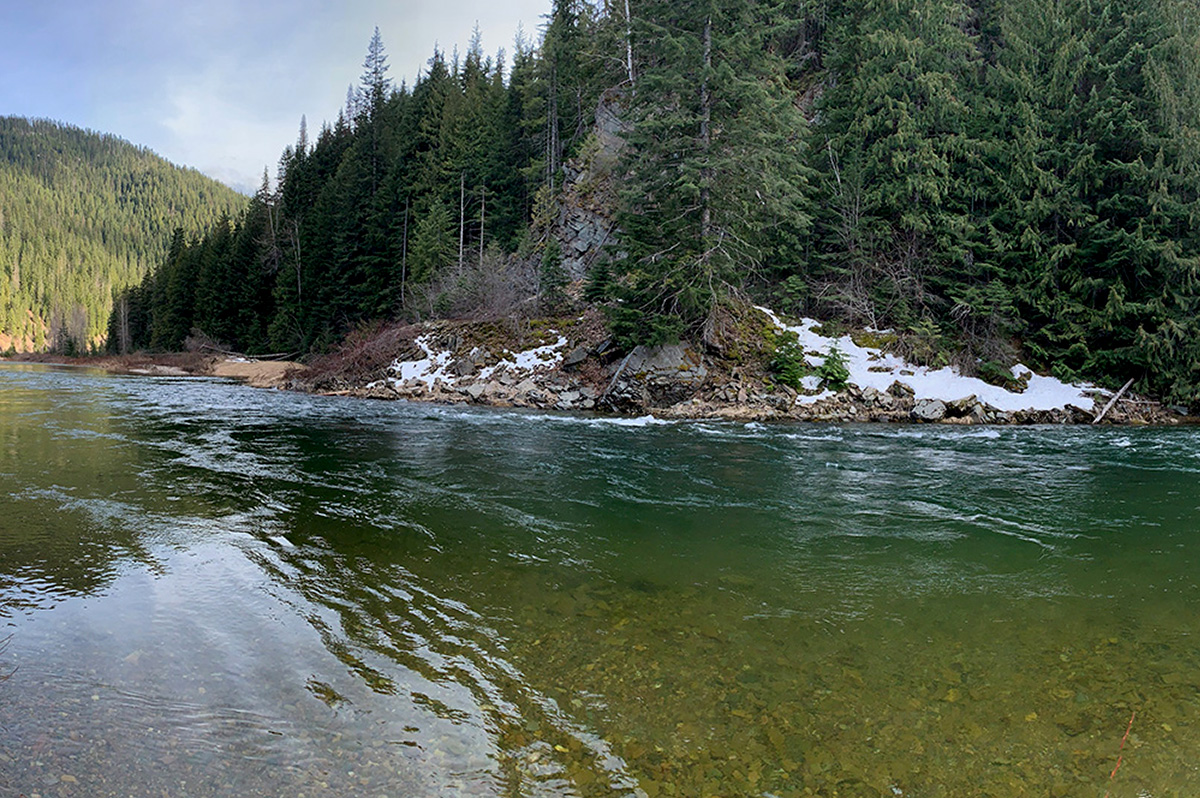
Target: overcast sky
column 220, row 85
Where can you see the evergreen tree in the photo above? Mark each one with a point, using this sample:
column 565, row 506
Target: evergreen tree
column 714, row 163
column 552, row 279
column 434, row 245
column 891, row 147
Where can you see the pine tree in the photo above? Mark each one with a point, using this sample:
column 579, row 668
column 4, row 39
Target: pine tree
column 891, row 146
column 552, row 278
column 434, row 245
column 714, row 163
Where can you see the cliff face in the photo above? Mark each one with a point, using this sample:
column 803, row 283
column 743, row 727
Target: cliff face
column 585, row 222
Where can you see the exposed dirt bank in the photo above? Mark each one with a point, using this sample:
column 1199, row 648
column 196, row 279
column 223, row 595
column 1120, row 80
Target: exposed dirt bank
column 256, row 373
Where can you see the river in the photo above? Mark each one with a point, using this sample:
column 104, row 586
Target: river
column 210, row 590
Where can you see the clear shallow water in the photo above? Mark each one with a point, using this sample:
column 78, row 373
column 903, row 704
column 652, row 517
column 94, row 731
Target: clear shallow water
column 212, row 590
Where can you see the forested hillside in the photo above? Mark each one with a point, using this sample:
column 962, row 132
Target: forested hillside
column 990, row 179
column 84, row 215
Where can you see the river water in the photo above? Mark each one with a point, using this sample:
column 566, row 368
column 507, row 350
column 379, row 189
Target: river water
column 210, row 590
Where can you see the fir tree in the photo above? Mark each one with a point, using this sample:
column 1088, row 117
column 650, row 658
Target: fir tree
column 713, row 165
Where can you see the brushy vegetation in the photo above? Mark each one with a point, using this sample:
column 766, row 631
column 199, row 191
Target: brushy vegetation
column 986, row 179
column 833, row 370
column 788, row 366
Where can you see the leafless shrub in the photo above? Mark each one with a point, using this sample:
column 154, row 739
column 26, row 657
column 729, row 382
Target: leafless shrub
column 363, row 356
column 199, row 341
column 491, row 288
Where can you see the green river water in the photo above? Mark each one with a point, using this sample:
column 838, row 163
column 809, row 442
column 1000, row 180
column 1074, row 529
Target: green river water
column 209, row 590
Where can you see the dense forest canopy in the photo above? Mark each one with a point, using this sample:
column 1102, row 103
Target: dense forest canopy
column 991, row 178
column 84, row 215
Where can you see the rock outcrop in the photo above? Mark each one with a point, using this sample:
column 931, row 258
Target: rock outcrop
column 570, row 365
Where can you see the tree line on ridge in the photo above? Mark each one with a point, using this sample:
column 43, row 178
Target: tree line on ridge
column 990, row 178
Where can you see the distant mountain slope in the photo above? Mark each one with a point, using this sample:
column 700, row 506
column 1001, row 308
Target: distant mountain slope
column 81, row 214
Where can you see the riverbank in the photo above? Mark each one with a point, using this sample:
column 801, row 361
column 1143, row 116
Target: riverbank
column 255, row 373
column 570, row 364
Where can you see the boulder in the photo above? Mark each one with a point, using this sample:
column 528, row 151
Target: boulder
column 576, row 356
column 961, row 407
column 978, row 414
column 668, row 374
column 929, row 410
column 476, row 391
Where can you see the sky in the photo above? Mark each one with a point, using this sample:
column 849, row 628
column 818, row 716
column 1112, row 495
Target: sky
column 220, row 85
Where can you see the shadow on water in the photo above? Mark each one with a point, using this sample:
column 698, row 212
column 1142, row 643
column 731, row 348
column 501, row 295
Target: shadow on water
column 63, row 466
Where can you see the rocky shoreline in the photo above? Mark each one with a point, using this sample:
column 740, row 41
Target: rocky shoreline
column 570, row 365
column 734, row 402
column 566, row 369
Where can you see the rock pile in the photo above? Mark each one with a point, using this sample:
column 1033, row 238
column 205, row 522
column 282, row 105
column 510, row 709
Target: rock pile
column 573, row 372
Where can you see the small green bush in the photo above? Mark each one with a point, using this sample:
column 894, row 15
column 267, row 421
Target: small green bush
column 833, row 372
column 787, row 363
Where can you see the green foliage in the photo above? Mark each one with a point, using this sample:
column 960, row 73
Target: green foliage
column 925, row 344
column 787, row 364
column 83, row 215
column 713, row 176
column 552, row 278
column 983, row 176
column 598, row 287
column 632, row 326
column 996, row 374
column 433, row 246
column 833, row 371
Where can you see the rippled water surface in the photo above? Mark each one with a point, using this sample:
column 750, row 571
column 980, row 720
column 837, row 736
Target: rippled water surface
column 209, row 591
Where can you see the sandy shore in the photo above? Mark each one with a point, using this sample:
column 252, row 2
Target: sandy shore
column 256, row 373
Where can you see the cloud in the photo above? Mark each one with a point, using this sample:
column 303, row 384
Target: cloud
column 220, row 85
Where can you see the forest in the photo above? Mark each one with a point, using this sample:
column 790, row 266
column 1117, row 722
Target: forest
column 992, row 179
column 84, row 216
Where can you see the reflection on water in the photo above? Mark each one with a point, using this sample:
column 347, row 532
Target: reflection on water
column 215, row 591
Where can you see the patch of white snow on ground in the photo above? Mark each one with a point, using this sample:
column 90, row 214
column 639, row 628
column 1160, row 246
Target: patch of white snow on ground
column 428, row 370
column 542, row 357
column 434, row 367
column 873, row 368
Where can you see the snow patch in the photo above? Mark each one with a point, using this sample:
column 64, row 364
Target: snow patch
column 531, row 360
column 428, row 370
column 435, row 366
column 873, row 368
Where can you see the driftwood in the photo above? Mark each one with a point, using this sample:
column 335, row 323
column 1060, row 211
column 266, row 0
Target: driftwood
column 244, row 356
column 1112, row 402
column 616, row 377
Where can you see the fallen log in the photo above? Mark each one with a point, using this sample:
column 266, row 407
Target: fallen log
column 1112, row 402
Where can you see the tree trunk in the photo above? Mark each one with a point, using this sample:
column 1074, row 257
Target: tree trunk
column 404, row 252
column 462, row 217
column 123, row 336
column 628, row 43
column 706, row 145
